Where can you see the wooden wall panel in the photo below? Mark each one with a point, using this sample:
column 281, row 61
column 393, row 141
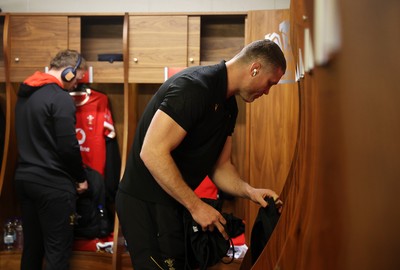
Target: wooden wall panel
column 368, row 103
column 193, row 55
column 341, row 209
column 34, row 40
column 273, row 120
column 2, row 70
column 74, row 33
column 8, row 201
column 158, row 41
column 9, row 206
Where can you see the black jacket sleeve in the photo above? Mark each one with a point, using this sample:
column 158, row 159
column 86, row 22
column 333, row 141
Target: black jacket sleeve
column 67, row 143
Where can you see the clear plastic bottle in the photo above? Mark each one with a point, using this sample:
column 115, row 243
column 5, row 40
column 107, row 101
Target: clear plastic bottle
column 19, row 237
column 9, row 235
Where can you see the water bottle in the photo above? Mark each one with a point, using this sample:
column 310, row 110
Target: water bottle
column 9, row 235
column 19, row 237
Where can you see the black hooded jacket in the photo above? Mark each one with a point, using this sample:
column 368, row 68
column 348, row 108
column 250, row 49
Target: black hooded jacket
column 48, row 149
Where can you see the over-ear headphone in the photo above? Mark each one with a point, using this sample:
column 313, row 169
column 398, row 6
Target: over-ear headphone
column 68, row 74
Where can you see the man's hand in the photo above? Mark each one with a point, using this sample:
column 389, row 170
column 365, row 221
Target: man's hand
column 81, row 187
column 258, row 195
column 209, row 218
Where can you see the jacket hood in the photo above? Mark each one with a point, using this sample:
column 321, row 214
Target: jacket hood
column 36, row 81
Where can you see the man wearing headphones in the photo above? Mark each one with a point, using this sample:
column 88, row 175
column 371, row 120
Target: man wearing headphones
column 50, row 171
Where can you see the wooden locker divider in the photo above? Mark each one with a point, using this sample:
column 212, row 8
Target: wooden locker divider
column 8, row 202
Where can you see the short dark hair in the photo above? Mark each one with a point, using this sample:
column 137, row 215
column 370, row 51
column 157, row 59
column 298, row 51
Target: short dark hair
column 265, row 50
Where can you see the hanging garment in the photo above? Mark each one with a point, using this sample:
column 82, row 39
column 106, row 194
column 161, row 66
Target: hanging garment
column 94, row 124
column 100, row 153
column 97, row 137
column 264, row 225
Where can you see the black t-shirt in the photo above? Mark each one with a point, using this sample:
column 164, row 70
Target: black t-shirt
column 196, row 99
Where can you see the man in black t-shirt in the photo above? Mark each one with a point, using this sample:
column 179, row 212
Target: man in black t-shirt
column 183, row 136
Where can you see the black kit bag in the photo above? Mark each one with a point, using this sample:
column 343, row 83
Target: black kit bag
column 206, row 248
column 263, row 227
column 90, row 223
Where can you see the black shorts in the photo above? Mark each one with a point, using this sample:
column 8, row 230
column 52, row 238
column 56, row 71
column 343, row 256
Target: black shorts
column 153, row 232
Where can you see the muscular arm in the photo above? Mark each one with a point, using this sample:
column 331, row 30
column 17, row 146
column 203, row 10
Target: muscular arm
column 227, row 178
column 162, row 137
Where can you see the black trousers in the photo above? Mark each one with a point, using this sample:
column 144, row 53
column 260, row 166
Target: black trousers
column 47, row 226
column 153, row 232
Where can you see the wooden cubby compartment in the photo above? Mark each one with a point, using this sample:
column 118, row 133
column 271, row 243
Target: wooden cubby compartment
column 103, row 35
column 222, row 37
